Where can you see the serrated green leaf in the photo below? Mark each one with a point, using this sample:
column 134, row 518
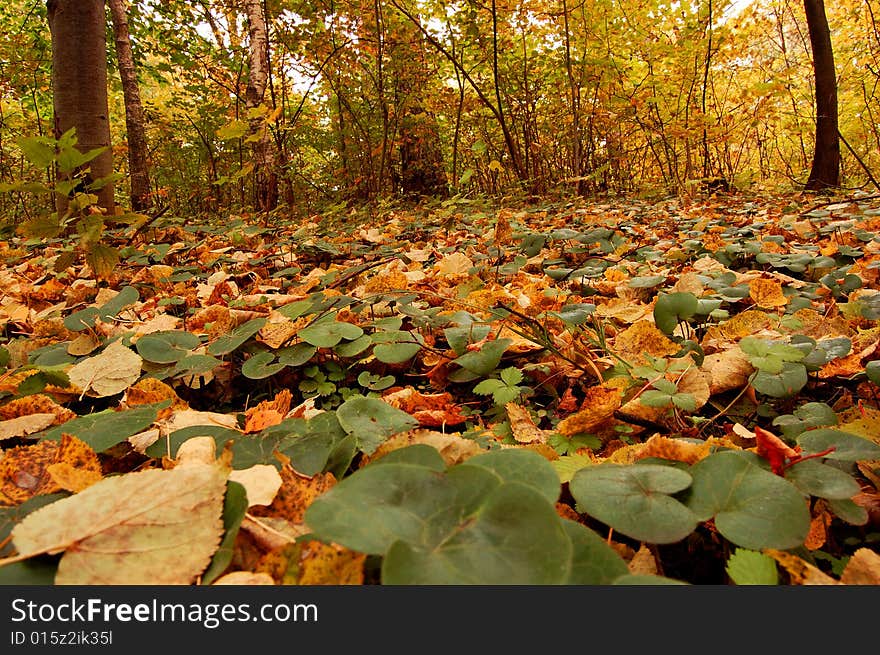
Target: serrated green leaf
column 748, row 567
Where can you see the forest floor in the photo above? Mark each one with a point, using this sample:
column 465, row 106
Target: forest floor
column 646, row 335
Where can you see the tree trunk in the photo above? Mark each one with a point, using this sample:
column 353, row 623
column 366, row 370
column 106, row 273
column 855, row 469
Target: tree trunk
column 825, row 172
column 422, row 169
column 138, row 151
column 79, row 85
column 265, row 178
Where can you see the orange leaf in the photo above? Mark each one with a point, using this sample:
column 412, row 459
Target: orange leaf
column 267, row 413
column 767, row 293
column 774, row 450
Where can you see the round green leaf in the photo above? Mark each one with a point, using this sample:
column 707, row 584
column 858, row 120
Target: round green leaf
column 847, row 447
column 229, row 342
column 372, row 421
column 791, row 379
column 396, row 353
column 350, row 348
column 515, row 538
column 752, row 507
column 296, row 355
column 671, row 308
column 166, row 347
column 593, row 562
column 634, row 500
column 523, row 466
column 814, row 478
column 327, row 334
column 486, row 359
column 260, row 366
column 383, row 504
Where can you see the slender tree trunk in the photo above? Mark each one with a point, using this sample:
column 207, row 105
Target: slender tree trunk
column 79, row 85
column 265, row 177
column 825, row 172
column 135, row 125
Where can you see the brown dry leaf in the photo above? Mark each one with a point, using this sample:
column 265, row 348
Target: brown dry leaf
column 294, row 495
column 36, row 404
column 24, row 471
column 267, row 413
column 643, row 338
column 150, row 527
column 244, row 578
column 431, row 410
column 261, row 481
column 452, row 448
column 598, row 406
column 150, row 390
column 72, row 479
column 643, row 562
column 455, row 264
column 624, row 310
column 799, row 571
column 729, row 369
column 268, row 533
column 744, row 324
column 818, row 533
column 689, row 282
column 523, row 427
column 391, row 279
column 674, row 449
column 25, row 425
column 278, row 330
column 863, row 568
column 281, row 564
column 767, row 293
column 329, row 564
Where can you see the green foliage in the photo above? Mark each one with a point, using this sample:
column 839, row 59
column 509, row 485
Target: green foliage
column 747, row 567
column 504, row 389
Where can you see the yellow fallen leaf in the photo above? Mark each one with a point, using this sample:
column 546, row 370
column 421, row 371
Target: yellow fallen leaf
column 863, row 568
column 261, row 481
column 729, row 369
column 244, row 578
column 25, row 425
column 523, row 427
column 454, row 264
column 452, row 448
column 598, row 407
column 767, row 293
column 329, row 564
column 150, row 527
column 112, row 371
column 640, row 339
column 799, row 571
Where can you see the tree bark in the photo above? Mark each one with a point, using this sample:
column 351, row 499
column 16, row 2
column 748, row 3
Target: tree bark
column 79, row 85
column 825, row 171
column 138, row 150
column 265, row 177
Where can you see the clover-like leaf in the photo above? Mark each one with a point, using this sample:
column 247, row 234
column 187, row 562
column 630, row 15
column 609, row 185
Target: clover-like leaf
column 636, row 500
column 752, row 507
column 372, row 421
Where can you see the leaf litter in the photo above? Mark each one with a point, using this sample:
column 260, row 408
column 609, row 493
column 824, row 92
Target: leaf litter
column 730, row 334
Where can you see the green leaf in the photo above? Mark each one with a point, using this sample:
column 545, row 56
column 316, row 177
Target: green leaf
column 849, row 511
column 593, row 562
column 635, row 500
column 229, row 342
column 484, row 361
column 381, row 504
column 166, row 347
column 519, row 465
column 791, row 379
column 104, row 430
column 647, row 281
column 396, row 353
column 85, row 318
column 847, row 447
column 327, row 334
column 511, row 376
column 671, row 308
column 748, row 567
column 349, row 348
column 814, row 478
column 232, row 130
column 372, row 421
column 39, row 150
column 103, row 259
column 495, row 547
column 36, row 571
column 458, row 338
column 752, row 507
column 259, row 366
column 297, row 355
column 575, row 314
column 234, row 508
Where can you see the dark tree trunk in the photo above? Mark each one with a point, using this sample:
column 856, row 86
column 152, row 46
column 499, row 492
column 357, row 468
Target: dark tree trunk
column 79, row 84
column 825, row 172
column 138, row 151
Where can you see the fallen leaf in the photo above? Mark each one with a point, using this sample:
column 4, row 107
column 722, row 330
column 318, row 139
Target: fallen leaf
column 36, row 404
column 244, row 578
column 261, row 481
column 726, row 370
column 643, row 562
column 27, row 471
column 112, row 371
column 676, row 450
column 523, row 427
column 863, row 568
column 431, row 410
column 267, row 413
column 799, row 571
column 294, row 495
column 150, row 527
column 640, row 339
column 452, row 448
column 774, row 450
column 148, row 391
column 598, row 406
column 455, row 264
column 329, row 564
column 25, row 425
